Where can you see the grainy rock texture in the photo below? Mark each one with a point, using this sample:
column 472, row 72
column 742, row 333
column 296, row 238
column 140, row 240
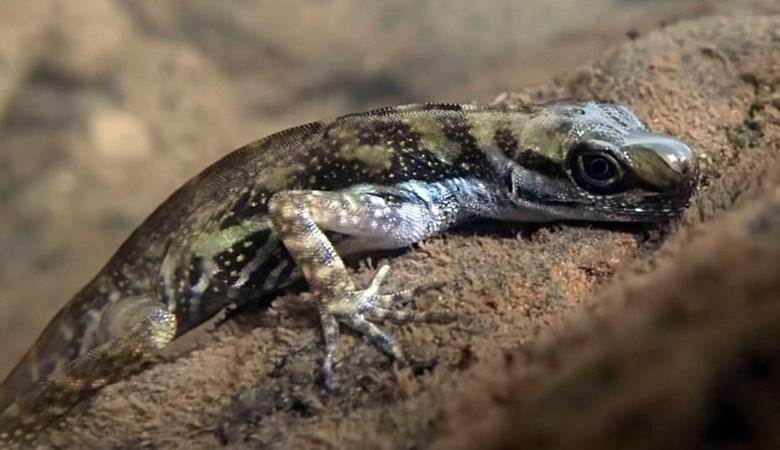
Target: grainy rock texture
column 570, row 336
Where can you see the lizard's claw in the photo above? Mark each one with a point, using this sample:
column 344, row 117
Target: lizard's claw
column 369, row 304
column 360, row 308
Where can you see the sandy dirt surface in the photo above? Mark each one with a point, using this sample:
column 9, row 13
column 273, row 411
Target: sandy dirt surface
column 570, row 336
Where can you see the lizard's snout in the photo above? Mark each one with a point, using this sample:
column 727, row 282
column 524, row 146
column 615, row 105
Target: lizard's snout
column 662, row 161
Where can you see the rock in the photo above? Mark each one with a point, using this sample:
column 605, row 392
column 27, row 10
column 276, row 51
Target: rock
column 22, row 40
column 681, row 350
column 88, row 39
column 119, row 135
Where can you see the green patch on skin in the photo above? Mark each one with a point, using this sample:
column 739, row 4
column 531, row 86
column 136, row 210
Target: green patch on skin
column 376, row 158
column 544, row 134
column 433, row 139
column 346, row 140
column 547, row 145
column 484, row 127
column 279, row 178
column 211, row 244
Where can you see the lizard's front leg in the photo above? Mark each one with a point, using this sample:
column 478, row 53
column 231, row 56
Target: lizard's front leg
column 374, row 220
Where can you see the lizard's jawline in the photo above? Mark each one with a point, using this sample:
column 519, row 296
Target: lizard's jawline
column 526, row 211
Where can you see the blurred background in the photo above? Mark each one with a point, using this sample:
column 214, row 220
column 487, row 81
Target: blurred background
column 107, row 106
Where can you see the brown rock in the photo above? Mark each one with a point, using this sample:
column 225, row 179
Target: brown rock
column 87, row 40
column 22, row 40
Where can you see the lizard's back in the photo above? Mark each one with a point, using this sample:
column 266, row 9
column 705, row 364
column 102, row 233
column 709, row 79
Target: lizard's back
column 211, row 244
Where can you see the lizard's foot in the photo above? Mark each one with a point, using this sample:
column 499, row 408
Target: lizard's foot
column 360, row 308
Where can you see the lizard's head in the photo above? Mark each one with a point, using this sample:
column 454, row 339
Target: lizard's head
column 598, row 161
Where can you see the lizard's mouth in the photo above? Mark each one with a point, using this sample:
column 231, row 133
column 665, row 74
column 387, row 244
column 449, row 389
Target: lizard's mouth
column 652, row 208
column 640, row 205
column 632, row 206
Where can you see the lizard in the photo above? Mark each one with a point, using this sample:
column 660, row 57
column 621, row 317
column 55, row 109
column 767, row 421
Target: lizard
column 289, row 206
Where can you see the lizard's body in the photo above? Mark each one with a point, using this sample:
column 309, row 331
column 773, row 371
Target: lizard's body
column 287, row 205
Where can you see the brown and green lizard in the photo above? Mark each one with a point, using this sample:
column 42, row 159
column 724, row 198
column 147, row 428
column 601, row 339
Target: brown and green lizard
column 291, row 204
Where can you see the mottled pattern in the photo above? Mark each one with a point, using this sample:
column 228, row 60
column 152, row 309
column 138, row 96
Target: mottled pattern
column 268, row 213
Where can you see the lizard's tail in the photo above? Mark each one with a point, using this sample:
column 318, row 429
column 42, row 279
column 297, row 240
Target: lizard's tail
column 61, row 341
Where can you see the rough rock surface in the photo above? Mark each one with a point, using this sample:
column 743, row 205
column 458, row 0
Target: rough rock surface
column 571, row 336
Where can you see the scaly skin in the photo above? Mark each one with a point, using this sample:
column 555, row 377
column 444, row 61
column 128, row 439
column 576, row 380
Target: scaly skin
column 288, row 205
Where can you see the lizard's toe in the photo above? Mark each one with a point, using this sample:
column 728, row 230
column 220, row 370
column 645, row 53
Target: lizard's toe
column 370, row 304
column 358, row 309
column 403, row 296
column 379, row 338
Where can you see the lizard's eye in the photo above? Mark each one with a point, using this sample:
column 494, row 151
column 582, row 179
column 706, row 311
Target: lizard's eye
column 596, row 170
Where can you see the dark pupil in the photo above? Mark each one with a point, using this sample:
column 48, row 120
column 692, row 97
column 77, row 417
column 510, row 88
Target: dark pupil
column 598, row 168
